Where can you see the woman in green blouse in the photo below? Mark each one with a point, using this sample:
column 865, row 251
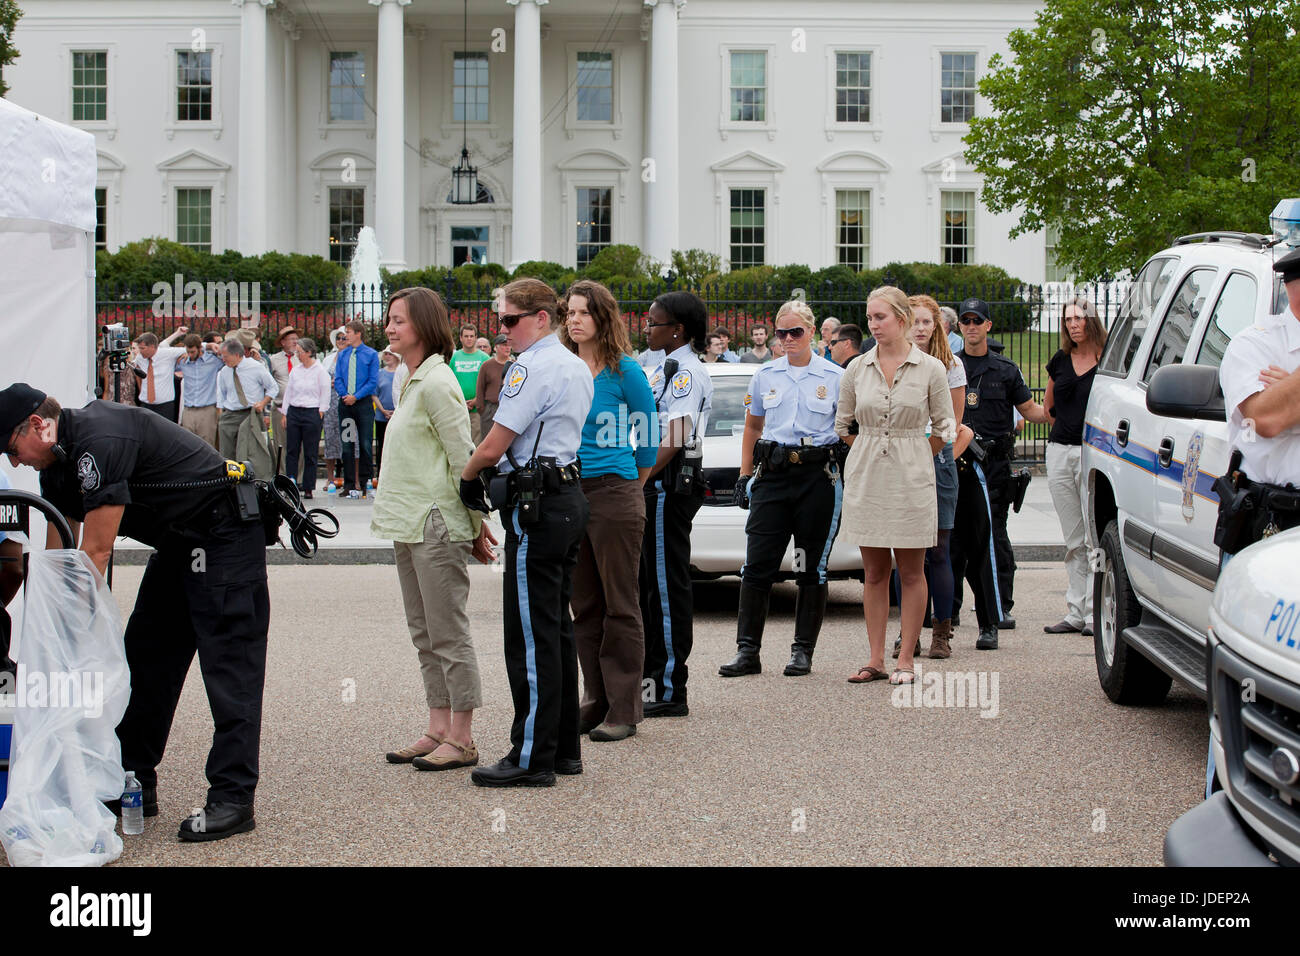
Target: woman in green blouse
column 418, row 507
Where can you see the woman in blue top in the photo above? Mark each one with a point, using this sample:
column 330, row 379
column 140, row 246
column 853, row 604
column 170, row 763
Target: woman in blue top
column 606, row 612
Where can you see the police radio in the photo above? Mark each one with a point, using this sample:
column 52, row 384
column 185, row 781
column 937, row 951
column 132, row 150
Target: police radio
column 528, row 485
column 691, row 467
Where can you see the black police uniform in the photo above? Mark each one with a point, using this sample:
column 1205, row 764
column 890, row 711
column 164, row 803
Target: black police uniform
column 204, row 589
column 994, row 387
column 798, row 492
column 681, row 387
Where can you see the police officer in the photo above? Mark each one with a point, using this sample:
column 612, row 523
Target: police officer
column 545, row 397
column 113, row 470
column 683, row 393
column 790, row 482
column 994, row 386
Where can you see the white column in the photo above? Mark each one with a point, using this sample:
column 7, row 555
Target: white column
column 661, row 194
column 526, row 201
column 289, row 159
column 253, row 154
column 390, row 136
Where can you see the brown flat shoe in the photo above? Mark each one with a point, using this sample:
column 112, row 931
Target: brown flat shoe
column 866, row 675
column 468, row 758
column 408, row 754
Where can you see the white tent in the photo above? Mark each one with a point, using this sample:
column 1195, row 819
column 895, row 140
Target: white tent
column 47, row 261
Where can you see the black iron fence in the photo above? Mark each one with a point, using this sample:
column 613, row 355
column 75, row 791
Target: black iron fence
column 1026, row 318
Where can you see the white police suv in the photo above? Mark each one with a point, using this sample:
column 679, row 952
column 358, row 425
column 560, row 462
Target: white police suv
column 1155, row 440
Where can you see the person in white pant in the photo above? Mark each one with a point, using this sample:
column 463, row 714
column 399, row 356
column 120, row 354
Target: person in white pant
column 1070, row 375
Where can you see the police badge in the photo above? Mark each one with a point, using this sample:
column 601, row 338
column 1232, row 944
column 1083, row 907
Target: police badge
column 88, row 472
column 821, row 391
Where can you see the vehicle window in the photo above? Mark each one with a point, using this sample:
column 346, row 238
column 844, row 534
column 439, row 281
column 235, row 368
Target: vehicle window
column 1233, row 312
column 1135, row 316
column 1176, row 329
column 1279, row 295
column 728, row 410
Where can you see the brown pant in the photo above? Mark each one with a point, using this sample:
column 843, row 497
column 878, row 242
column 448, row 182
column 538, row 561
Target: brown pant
column 202, row 421
column 606, row 606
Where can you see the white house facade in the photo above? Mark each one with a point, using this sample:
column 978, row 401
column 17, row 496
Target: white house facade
column 766, row 131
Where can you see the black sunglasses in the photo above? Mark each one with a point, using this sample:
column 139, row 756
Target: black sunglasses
column 20, row 430
column 511, row 319
column 795, row 333
column 971, row 320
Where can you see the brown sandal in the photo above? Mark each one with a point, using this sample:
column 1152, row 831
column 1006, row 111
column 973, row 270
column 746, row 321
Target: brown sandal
column 408, row 754
column 867, row 674
column 468, row 758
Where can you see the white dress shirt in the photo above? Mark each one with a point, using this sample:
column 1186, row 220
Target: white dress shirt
column 1274, row 340
column 255, row 379
column 308, row 387
column 164, row 374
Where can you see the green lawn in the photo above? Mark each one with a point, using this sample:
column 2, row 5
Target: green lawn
column 1031, row 350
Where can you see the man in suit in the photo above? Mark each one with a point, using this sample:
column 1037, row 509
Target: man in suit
column 356, row 379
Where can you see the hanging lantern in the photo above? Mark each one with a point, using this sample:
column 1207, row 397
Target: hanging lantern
column 464, row 181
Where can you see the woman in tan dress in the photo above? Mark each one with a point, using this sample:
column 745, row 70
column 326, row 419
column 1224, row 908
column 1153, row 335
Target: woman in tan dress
column 890, row 503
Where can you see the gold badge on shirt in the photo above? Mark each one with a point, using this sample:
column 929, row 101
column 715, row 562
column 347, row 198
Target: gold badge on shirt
column 973, row 399
column 821, row 391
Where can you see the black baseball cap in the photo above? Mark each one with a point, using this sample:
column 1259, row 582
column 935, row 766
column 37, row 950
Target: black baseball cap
column 1289, row 266
column 500, row 340
column 17, row 402
column 977, row 306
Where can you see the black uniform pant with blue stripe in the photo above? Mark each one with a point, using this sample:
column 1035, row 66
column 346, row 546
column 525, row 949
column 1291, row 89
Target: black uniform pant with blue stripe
column 541, row 656
column 972, row 548
column 667, row 602
column 802, row 501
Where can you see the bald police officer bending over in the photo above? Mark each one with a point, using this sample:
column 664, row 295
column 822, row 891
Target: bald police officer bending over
column 545, row 397
column 126, row 471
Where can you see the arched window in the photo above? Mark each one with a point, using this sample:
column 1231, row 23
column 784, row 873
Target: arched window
column 484, row 194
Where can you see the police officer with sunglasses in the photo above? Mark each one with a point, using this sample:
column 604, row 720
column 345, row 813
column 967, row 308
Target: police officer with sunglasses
column 790, row 480
column 674, row 492
column 532, row 450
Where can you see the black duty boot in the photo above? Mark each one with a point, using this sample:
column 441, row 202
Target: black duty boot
column 809, row 610
column 749, row 632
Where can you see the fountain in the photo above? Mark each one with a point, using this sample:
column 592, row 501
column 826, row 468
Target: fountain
column 364, row 297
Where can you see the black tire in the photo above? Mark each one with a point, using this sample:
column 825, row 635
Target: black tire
column 1127, row 677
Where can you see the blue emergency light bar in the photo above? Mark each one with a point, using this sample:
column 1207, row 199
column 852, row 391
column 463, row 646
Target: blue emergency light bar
column 1285, row 221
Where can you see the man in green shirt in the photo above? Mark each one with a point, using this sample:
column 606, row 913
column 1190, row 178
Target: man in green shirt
column 465, row 362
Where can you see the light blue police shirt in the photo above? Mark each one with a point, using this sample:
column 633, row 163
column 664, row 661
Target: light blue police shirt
column 796, row 403
column 546, row 383
column 681, row 395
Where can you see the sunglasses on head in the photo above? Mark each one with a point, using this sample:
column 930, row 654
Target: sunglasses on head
column 795, row 333
column 971, row 320
column 511, row 319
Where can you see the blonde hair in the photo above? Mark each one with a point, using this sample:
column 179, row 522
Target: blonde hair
column 937, row 345
column 897, row 300
column 799, row 308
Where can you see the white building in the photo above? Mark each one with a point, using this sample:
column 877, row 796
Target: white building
column 774, row 131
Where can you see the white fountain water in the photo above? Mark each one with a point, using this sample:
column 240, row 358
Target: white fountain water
column 365, row 299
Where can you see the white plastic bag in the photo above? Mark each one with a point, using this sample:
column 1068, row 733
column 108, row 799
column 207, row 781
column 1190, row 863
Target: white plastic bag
column 71, row 692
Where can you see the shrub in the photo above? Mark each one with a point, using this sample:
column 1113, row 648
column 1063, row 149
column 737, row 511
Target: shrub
column 617, row 263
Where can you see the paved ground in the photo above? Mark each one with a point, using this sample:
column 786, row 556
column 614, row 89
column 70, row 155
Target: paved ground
column 766, row 769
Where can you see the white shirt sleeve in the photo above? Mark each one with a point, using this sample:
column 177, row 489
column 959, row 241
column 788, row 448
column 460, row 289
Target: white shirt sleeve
column 1245, row 357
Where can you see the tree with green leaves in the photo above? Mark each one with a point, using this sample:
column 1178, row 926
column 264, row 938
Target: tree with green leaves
column 1126, row 123
column 9, row 14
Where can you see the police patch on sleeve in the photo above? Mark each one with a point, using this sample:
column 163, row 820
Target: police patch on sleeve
column 681, row 384
column 748, row 398
column 514, row 381
column 88, row 472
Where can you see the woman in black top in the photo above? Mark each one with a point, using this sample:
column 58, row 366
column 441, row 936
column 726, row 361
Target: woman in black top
column 1070, row 374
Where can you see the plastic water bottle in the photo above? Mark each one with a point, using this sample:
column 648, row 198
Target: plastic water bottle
column 132, row 806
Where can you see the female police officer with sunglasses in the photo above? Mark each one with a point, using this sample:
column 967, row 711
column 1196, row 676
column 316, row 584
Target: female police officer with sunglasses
column 790, row 481
column 683, row 396
column 544, row 401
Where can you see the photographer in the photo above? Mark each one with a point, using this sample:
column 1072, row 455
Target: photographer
column 125, row 471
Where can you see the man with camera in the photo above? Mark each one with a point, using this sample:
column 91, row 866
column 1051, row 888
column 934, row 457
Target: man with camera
column 986, row 488
column 112, row 470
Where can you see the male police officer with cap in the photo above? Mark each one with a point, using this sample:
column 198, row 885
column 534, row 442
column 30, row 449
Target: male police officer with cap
column 994, row 387
column 534, row 441
column 119, row 470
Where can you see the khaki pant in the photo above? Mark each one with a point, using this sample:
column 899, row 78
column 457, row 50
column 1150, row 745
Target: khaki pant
column 277, row 437
column 607, row 623
column 434, row 577
column 475, row 427
column 1065, row 481
column 202, row 421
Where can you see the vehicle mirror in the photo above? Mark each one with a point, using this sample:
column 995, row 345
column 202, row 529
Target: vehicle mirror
column 1186, row 391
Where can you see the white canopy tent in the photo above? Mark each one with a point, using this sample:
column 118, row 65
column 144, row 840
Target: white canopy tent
column 47, row 260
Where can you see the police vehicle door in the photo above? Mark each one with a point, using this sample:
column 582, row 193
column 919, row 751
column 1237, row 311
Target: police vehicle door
column 1185, row 571
column 1117, row 411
